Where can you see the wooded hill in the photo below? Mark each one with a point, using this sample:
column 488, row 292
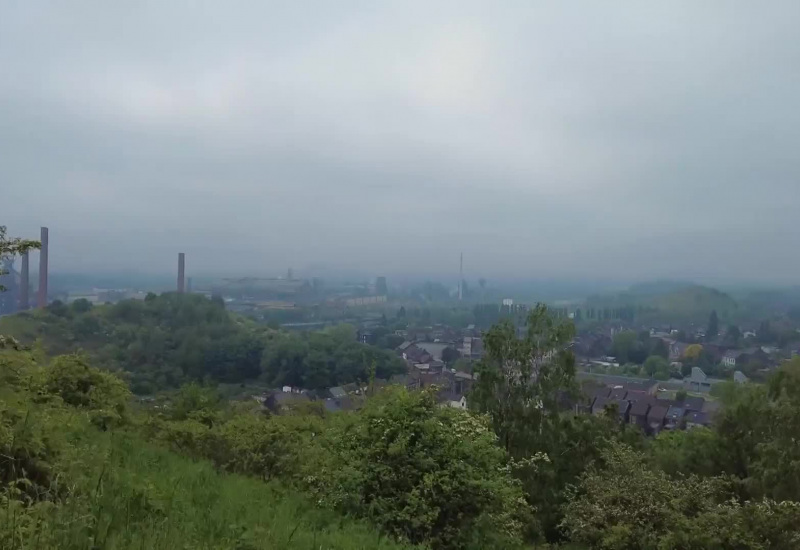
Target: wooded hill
column 666, row 304
column 170, row 339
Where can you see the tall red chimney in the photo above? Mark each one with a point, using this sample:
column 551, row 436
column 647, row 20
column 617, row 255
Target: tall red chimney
column 24, row 283
column 181, row 272
column 42, row 301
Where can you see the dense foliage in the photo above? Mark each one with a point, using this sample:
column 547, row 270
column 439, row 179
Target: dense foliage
column 11, row 247
column 171, row 339
column 422, row 473
column 628, row 504
column 67, row 485
column 523, row 384
column 323, row 359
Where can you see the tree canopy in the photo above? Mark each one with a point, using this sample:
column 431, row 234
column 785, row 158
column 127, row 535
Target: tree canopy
column 170, row 339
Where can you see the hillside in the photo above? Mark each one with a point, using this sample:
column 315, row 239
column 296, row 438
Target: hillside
column 669, row 303
column 66, row 485
column 82, row 465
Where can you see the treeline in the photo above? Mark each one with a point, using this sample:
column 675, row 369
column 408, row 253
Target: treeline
column 319, row 360
column 170, row 339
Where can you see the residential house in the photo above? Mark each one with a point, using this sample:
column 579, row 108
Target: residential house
column 693, row 403
column 656, row 417
column 436, row 366
column 452, row 399
column 352, row 388
column 404, row 346
column 338, row 392
column 415, row 354
column 739, row 377
column 696, row 419
column 637, row 414
column 743, row 357
column 674, row 417
column 443, row 380
column 599, row 405
column 603, row 404
column 647, row 385
column 677, row 350
column 729, row 357
column 409, row 381
column 587, row 397
column 636, row 395
column 622, row 410
column 279, row 402
column 433, row 349
column 618, row 393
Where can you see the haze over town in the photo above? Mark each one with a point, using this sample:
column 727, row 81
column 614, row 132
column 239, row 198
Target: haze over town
column 388, row 137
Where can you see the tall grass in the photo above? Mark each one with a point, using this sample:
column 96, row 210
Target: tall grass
column 118, row 492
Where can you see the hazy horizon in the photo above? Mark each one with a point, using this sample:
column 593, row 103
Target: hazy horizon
column 555, row 141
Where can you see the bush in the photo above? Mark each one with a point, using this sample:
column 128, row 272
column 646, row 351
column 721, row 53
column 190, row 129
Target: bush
column 423, row 473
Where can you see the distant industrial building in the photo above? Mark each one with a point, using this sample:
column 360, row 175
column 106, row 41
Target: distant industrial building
column 181, row 272
column 17, row 284
column 380, row 286
column 43, row 261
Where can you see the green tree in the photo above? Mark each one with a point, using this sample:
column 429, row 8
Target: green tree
column 450, row 355
column 660, row 348
column 733, row 335
column 463, row 365
column 11, row 247
column 628, row 348
column 682, row 452
column 81, row 305
column 627, row 504
column 521, row 380
column 424, row 473
column 713, row 326
column 81, row 385
column 655, row 364
column 521, row 383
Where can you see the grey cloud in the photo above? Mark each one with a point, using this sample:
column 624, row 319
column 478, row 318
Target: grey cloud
column 546, row 139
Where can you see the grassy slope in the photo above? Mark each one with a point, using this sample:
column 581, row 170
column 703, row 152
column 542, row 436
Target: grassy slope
column 129, row 495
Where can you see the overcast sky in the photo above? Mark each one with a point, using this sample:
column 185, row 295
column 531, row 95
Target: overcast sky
column 544, row 139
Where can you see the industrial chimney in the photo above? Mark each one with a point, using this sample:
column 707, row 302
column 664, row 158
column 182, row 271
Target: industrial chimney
column 181, row 272
column 24, row 282
column 42, row 298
